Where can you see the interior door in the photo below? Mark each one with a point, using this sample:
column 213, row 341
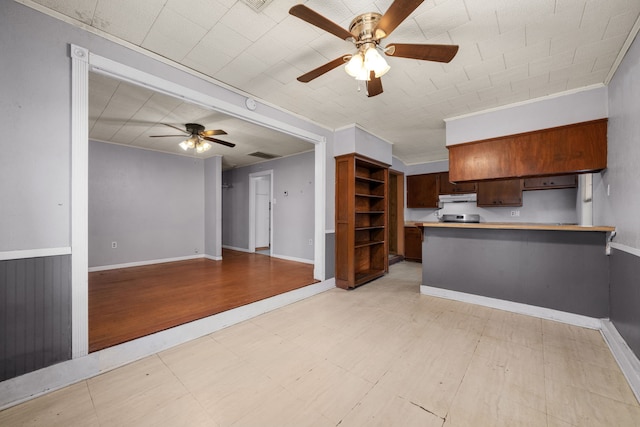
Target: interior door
column 263, row 212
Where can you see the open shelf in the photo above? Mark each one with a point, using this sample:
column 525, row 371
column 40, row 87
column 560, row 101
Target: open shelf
column 361, row 220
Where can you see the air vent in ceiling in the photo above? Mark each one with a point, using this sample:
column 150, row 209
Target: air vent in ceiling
column 257, row 5
column 264, row 155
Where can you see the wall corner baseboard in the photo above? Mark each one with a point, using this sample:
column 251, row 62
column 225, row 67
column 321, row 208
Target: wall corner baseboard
column 627, row 360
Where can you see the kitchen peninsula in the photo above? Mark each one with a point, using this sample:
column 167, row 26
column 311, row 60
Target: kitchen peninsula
column 555, row 266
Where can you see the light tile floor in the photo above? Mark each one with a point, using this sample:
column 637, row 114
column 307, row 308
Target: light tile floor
column 381, row 355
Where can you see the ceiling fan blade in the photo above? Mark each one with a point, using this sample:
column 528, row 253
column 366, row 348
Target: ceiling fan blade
column 426, row 52
column 397, row 12
column 306, row 78
column 314, row 18
column 176, row 128
column 374, row 85
column 165, row 136
column 212, row 132
column 219, row 141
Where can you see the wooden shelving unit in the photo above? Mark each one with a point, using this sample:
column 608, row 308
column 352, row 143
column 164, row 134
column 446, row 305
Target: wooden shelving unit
column 361, row 220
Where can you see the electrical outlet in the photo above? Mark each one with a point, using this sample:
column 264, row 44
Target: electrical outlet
column 114, row 245
column 515, row 213
column 310, row 242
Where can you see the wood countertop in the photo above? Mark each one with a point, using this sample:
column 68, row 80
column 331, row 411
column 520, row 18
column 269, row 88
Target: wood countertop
column 511, row 226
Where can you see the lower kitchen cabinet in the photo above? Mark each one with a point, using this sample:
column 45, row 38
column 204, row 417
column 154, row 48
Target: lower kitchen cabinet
column 413, row 243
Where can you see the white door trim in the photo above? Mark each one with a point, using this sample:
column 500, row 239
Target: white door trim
column 252, row 209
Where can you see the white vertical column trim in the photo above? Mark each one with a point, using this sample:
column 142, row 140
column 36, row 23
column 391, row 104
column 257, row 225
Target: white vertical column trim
column 218, row 208
column 320, row 204
column 79, row 201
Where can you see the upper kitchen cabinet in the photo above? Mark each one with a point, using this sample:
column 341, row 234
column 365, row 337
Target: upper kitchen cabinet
column 576, row 148
column 448, row 187
column 551, row 182
column 506, row 192
column 422, row 190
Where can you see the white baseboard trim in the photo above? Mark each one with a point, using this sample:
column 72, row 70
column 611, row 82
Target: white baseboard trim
column 514, row 307
column 285, row 257
column 291, row 258
column 233, row 248
column 625, row 248
column 627, row 360
column 213, row 257
column 141, row 263
column 34, row 253
column 34, row 384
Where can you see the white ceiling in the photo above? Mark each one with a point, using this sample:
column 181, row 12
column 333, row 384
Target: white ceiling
column 510, row 51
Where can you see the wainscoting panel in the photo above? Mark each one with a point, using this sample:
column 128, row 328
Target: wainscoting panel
column 35, row 314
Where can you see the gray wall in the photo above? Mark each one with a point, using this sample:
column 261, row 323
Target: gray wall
column 621, row 207
column 35, row 314
column 150, row 203
column 293, row 215
column 212, row 200
column 561, row 270
column 35, row 88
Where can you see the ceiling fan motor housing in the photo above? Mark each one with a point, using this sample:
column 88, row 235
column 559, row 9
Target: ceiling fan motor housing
column 194, row 128
column 362, row 27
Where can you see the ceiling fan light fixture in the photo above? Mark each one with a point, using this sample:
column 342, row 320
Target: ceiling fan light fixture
column 203, row 146
column 184, row 145
column 373, row 61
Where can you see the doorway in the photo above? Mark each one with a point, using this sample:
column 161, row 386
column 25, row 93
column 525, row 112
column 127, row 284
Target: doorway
column 260, row 212
column 396, row 216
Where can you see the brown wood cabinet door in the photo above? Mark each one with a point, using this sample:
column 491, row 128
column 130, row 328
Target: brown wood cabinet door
column 422, row 191
column 413, row 243
column 500, row 193
column 447, row 187
column 550, row 182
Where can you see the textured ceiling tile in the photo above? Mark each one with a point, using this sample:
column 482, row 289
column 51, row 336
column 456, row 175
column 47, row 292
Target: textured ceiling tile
column 524, row 55
column 513, row 73
column 495, row 92
column 126, row 19
column 482, row 27
column 599, row 48
column 204, row 13
column 82, row 10
column 172, row 35
column 474, row 85
column 574, row 70
column 449, row 79
column 550, row 63
column 506, row 42
column 548, row 89
column 221, row 39
column 485, row 68
column 442, row 18
column 534, row 82
column 620, row 25
column 513, row 15
column 576, row 81
column 253, row 25
column 545, row 27
column 241, row 70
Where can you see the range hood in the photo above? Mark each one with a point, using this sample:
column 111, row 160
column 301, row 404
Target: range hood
column 457, row 198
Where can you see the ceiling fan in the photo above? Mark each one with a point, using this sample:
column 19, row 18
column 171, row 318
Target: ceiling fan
column 366, row 31
column 198, row 137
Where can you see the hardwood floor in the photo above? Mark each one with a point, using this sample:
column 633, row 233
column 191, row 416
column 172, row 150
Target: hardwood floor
column 129, row 303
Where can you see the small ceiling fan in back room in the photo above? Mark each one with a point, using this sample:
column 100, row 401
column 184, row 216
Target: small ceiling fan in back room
column 198, row 137
column 366, row 31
